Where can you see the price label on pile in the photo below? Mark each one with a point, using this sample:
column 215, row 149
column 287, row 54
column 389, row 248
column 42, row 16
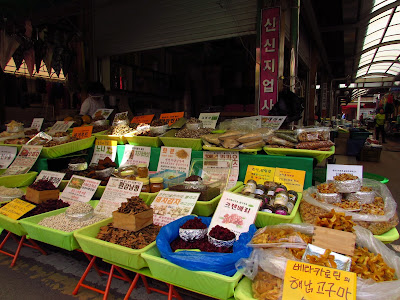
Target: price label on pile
column 333, row 170
column 171, row 118
column 103, row 112
column 169, row 206
column 60, row 126
column 103, row 149
column 272, row 122
column 292, row 179
column 259, row 174
column 16, row 208
column 134, row 155
column 79, row 189
column 116, row 192
column 53, row 177
column 174, row 158
column 37, row 123
column 226, row 155
column 142, row 119
column 209, row 119
column 82, row 132
column 304, row 281
column 7, row 155
column 24, row 161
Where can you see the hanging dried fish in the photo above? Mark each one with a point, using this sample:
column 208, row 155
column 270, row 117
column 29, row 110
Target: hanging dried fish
column 8, row 45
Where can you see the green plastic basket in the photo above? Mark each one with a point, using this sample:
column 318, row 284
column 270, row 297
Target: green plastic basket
column 147, row 141
column 13, row 181
column 207, row 283
column 244, row 290
column 125, row 256
column 169, row 140
column 318, row 155
column 58, row 238
column 67, row 148
column 121, row 140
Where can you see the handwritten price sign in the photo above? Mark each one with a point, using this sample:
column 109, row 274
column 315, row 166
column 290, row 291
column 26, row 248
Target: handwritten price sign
column 82, row 132
column 259, row 174
column 16, row 209
column 292, row 179
column 171, row 118
column 142, row 119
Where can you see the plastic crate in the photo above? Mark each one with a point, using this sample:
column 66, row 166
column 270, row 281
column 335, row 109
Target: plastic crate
column 171, row 177
column 207, row 283
column 67, row 148
column 370, row 154
column 124, row 256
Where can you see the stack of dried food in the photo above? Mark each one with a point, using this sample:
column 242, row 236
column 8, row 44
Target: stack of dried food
column 17, row 141
column 236, row 139
column 31, row 132
column 195, row 184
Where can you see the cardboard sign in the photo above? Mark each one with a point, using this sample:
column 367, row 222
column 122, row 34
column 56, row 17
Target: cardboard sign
column 60, row 126
column 79, row 189
column 103, row 149
column 336, row 240
column 292, row 179
column 24, row 161
column 142, row 119
column 82, row 132
column 117, row 191
column 332, row 170
column 174, row 158
column 235, row 212
column 259, row 174
column 134, row 155
column 209, row 119
column 16, row 208
column 54, row 177
column 7, row 155
column 119, row 116
column 171, row 118
column 308, row 281
column 37, row 123
column 169, row 206
column 272, row 122
column 103, row 112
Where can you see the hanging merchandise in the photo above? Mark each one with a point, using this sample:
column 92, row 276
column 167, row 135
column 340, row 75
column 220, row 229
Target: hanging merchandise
column 40, row 51
column 18, row 56
column 48, row 58
column 67, row 57
column 29, row 56
column 57, row 61
column 8, row 45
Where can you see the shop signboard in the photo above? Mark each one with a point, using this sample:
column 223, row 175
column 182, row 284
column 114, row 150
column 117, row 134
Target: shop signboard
column 7, row 155
column 53, row 177
column 134, row 155
column 269, row 59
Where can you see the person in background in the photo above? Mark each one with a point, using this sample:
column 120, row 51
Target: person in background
column 380, row 125
column 95, row 99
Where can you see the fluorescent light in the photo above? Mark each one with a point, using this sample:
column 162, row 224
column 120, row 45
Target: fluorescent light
column 317, row 87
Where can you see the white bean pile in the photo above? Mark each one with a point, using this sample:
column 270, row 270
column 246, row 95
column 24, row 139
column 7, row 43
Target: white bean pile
column 63, row 223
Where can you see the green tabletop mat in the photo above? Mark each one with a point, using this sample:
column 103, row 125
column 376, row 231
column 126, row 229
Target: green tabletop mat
column 318, row 155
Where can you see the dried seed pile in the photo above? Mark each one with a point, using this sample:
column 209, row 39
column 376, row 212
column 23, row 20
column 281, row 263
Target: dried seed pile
column 134, row 206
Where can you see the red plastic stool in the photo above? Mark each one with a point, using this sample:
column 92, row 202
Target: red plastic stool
column 20, row 244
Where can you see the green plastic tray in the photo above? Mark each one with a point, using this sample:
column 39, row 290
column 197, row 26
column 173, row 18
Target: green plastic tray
column 99, row 133
column 215, row 148
column 12, row 225
column 67, row 148
column 318, row 155
column 207, row 283
column 170, row 140
column 147, row 141
column 125, row 256
column 244, row 291
column 121, row 140
column 207, row 208
column 13, row 181
column 58, row 238
column 19, row 146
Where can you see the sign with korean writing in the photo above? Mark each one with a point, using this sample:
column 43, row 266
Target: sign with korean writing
column 304, row 281
column 235, row 212
column 82, row 132
column 292, row 179
column 119, row 117
column 142, row 119
column 134, row 155
column 53, row 177
column 102, row 112
column 269, row 58
column 7, row 155
column 171, row 118
column 79, row 189
column 253, row 122
column 169, row 206
column 117, row 191
column 226, row 155
column 174, row 158
column 209, row 119
column 16, row 208
column 272, row 122
column 103, row 149
column 332, row 170
column 60, row 126
column 24, row 161
column 37, row 123
column 259, row 174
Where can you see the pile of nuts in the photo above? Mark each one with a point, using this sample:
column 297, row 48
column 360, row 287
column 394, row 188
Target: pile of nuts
column 345, row 177
column 120, row 129
column 194, row 134
column 327, row 188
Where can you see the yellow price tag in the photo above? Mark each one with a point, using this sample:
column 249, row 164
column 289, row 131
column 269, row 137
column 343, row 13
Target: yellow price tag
column 16, row 208
column 292, row 179
column 106, row 143
column 259, row 174
column 304, row 281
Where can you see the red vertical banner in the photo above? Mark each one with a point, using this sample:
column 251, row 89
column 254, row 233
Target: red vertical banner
column 269, row 59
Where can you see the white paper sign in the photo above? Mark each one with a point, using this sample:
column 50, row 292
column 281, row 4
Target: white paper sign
column 117, row 191
column 134, row 155
column 120, row 116
column 79, row 189
column 272, row 122
column 174, row 158
column 24, row 161
column 254, row 122
column 54, row 177
column 209, row 119
column 333, row 170
column 60, row 126
column 103, row 112
column 7, row 155
column 103, row 149
column 37, row 123
column 224, row 155
column 235, row 212
column 169, row 206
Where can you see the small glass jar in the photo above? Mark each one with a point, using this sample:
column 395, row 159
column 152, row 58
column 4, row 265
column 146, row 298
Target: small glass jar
column 156, row 184
column 281, row 210
column 281, row 198
column 280, row 188
column 250, row 187
column 260, row 189
column 143, row 171
column 146, row 184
